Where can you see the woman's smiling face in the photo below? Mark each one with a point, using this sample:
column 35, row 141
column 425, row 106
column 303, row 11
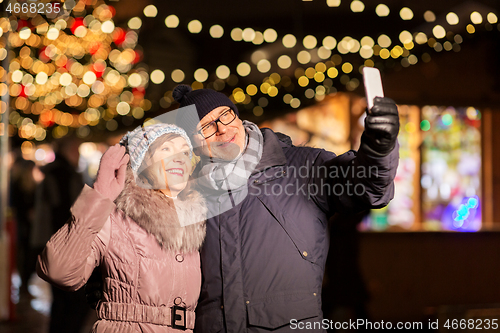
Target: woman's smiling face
column 169, row 166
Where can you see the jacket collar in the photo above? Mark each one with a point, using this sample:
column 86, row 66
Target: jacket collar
column 272, row 154
column 177, row 226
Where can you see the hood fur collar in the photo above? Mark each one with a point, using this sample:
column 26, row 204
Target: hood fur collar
column 177, row 225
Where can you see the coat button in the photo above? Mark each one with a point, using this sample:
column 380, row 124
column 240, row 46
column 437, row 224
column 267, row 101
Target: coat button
column 222, row 306
column 248, row 302
column 304, row 254
column 179, row 258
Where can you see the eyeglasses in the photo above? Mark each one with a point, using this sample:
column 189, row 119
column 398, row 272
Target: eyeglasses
column 211, row 128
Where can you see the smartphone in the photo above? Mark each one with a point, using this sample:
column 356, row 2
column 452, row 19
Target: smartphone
column 373, row 85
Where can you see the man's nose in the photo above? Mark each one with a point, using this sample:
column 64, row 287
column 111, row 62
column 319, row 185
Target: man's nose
column 221, row 128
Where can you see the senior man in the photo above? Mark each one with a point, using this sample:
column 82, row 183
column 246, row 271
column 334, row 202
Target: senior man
column 264, row 255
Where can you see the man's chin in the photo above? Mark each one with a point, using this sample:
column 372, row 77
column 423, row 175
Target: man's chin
column 227, row 152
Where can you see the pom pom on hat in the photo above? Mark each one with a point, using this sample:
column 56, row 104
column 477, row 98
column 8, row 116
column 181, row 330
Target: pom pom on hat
column 180, row 91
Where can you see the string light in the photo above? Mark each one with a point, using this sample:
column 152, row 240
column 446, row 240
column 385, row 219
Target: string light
column 384, row 41
column 243, row 69
column 333, row 3
column 223, row 72
column 177, row 76
column 86, row 81
column 194, row 26
column 492, row 18
column 270, row 35
column 476, row 18
column 289, row 41
column 134, row 23
column 357, row 6
column 429, row 16
column 309, row 42
column 382, row 10
column 172, row 21
column 284, row 62
column 452, row 18
column 216, row 31
column 150, row 11
column 406, row 13
column 201, row 75
column 237, row 34
column 438, row 31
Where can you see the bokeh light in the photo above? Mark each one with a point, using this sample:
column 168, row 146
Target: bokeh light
column 194, row 26
column 384, row 41
column 406, row 13
column 333, row 3
column 201, row 75
column 243, row 69
column 309, row 42
column 429, row 16
column 289, row 41
column 264, row 66
column 452, row 18
column 357, row 6
column 172, row 21
column 476, row 18
column 177, row 76
column 248, row 34
column 237, row 34
column 134, row 23
column 303, row 57
column 157, row 76
column 223, row 72
column 329, row 42
column 216, row 31
column 284, row 62
column 150, row 11
column 270, row 35
column 382, row 10
column 439, row 32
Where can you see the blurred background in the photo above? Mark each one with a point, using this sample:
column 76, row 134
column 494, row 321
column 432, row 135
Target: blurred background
column 72, row 83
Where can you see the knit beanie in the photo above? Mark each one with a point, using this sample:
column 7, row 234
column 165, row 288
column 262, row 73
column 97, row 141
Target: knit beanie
column 139, row 140
column 205, row 101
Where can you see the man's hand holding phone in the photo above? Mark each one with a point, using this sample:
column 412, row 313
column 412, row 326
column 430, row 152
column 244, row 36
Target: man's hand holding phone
column 382, row 120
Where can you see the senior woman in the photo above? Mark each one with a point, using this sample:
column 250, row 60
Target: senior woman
column 144, row 225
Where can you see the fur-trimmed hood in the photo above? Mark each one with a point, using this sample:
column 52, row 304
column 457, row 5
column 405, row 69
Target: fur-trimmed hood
column 177, row 225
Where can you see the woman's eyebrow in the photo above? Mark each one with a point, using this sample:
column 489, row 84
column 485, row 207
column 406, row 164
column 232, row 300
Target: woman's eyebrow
column 165, row 143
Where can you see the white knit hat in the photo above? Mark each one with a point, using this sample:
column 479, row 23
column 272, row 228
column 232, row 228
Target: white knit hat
column 139, row 140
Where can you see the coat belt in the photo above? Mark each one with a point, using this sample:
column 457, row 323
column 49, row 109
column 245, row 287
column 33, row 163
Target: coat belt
column 141, row 314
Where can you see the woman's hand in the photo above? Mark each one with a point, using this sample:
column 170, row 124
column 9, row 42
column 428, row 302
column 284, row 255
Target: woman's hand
column 111, row 175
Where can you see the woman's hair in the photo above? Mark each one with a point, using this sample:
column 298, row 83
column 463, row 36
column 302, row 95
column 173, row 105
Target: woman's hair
column 188, row 191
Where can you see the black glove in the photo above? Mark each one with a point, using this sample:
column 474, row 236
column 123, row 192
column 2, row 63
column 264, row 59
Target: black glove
column 381, row 127
column 93, row 288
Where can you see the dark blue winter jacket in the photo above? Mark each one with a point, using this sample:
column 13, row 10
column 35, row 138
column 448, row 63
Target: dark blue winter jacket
column 263, row 259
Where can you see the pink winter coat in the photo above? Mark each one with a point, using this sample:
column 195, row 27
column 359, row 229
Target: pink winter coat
column 148, row 253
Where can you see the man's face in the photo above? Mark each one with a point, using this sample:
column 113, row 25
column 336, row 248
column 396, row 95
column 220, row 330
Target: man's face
column 227, row 142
